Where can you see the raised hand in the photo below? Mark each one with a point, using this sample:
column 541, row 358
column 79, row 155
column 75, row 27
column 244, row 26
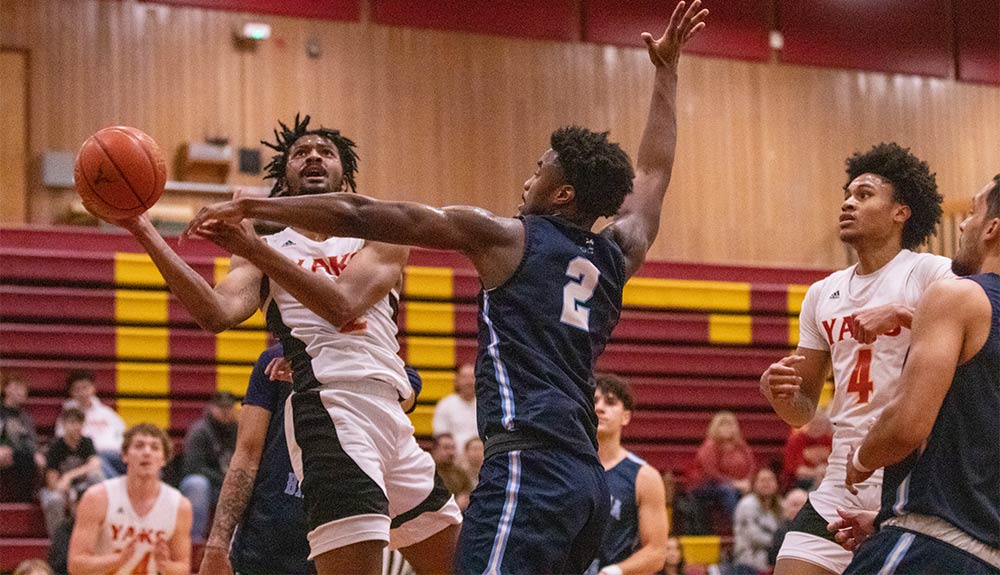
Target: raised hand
column 781, row 380
column 867, row 325
column 684, row 24
column 229, row 212
column 238, row 239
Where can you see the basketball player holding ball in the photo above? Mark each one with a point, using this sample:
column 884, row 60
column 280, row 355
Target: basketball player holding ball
column 331, row 300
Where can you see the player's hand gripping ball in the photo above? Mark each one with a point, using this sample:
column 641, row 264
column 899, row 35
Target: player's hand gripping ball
column 119, row 173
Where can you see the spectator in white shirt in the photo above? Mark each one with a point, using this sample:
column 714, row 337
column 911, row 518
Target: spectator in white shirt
column 456, row 413
column 101, row 424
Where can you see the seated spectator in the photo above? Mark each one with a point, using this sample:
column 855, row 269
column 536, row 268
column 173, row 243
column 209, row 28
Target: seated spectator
column 455, row 478
column 674, row 564
column 790, row 506
column 723, row 468
column 19, row 457
column 682, row 510
column 72, row 466
column 806, row 452
column 103, row 425
column 754, row 524
column 474, row 459
column 455, row 414
column 208, row 448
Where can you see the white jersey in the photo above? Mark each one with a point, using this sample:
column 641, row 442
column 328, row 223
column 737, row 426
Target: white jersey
column 363, row 349
column 122, row 524
column 865, row 376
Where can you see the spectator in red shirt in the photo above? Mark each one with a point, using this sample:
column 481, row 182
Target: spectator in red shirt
column 806, row 451
column 724, row 465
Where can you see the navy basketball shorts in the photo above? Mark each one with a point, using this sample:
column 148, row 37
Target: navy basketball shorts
column 534, row 511
column 894, row 550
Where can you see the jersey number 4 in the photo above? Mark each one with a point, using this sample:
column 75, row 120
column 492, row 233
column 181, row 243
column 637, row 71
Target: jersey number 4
column 583, row 276
column 861, row 378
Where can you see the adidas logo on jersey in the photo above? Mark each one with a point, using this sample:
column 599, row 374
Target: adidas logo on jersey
column 835, row 295
column 288, row 243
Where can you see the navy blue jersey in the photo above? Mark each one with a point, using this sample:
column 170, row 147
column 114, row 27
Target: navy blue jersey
column 957, row 477
column 622, row 533
column 272, row 536
column 540, row 333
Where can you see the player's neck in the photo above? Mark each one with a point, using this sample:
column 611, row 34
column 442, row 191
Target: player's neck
column 610, row 450
column 872, row 258
column 990, row 265
column 141, row 488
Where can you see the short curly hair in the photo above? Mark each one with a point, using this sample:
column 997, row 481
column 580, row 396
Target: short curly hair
column 599, row 171
column 286, row 138
column 611, row 384
column 913, row 185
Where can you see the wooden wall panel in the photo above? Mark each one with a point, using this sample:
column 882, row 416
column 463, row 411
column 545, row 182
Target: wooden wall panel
column 553, row 20
column 14, row 143
column 329, row 9
column 451, row 118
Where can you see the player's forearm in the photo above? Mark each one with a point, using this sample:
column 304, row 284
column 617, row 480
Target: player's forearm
column 647, row 559
column 357, row 216
column 86, row 564
column 321, row 295
column 181, row 567
column 194, row 292
column 890, row 440
column 796, row 411
column 233, row 499
column 659, row 137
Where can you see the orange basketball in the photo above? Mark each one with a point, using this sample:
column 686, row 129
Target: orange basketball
column 119, row 173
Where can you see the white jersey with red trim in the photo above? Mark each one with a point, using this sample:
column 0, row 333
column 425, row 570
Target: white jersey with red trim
column 122, row 524
column 363, row 349
column 865, row 376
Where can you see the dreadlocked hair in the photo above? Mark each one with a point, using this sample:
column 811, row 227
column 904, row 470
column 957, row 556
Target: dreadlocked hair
column 286, row 138
column 599, row 171
column 913, row 185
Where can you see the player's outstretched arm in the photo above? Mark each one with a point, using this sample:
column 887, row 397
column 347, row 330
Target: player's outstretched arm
column 494, row 244
column 231, row 302
column 653, row 529
column 944, row 335
column 236, row 488
column 638, row 221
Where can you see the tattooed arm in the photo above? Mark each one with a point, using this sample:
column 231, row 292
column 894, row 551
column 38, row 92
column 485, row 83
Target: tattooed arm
column 236, row 488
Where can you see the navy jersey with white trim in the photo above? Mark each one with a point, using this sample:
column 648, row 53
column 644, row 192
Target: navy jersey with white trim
column 957, row 477
column 540, row 333
column 621, row 537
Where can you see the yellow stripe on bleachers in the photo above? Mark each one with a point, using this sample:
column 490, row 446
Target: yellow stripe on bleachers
column 687, row 294
column 141, row 343
column 796, row 293
column 136, row 269
column 430, row 317
column 428, row 282
column 723, row 328
column 232, row 378
column 437, row 384
column 140, row 306
column 793, row 331
column 422, row 418
column 431, row 351
column 142, row 378
column 220, row 269
column 155, row 411
column 701, row 549
column 238, row 345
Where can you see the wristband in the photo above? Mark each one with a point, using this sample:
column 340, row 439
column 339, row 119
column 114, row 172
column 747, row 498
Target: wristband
column 857, row 463
column 611, row 570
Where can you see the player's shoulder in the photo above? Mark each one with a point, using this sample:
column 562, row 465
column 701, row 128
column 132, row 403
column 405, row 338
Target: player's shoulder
column 926, row 262
column 956, row 294
column 831, row 283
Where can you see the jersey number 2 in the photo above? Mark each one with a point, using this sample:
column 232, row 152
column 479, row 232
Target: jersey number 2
column 583, row 276
column 861, row 378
